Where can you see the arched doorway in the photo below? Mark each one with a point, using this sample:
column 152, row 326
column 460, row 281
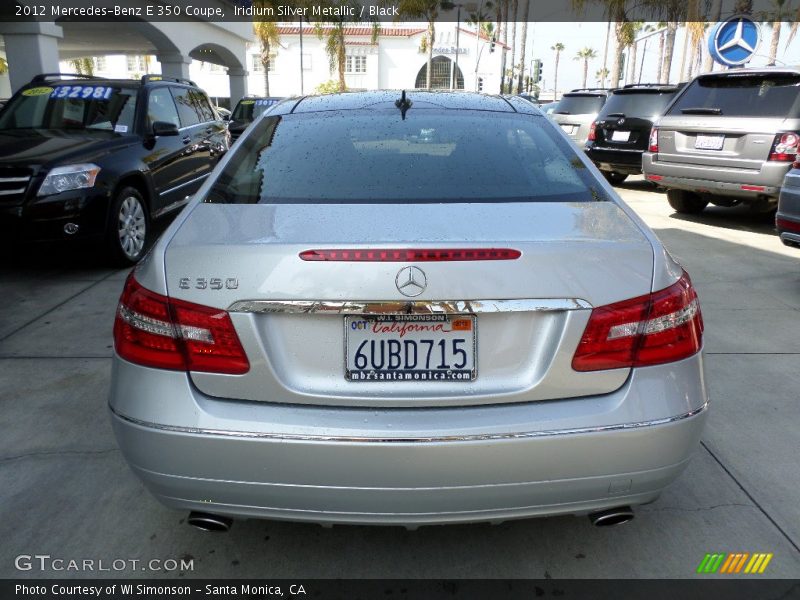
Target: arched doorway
column 440, row 74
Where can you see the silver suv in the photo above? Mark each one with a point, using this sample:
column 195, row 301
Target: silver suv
column 577, row 110
column 728, row 138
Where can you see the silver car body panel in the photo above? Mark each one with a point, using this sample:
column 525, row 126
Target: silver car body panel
column 324, row 464
column 789, row 206
column 571, row 252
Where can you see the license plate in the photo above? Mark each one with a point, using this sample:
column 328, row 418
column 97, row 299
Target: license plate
column 709, row 142
column 568, row 128
column 620, row 136
column 411, row 348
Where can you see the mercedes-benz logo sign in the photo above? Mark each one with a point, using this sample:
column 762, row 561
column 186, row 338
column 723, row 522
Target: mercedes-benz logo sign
column 734, row 42
column 411, row 281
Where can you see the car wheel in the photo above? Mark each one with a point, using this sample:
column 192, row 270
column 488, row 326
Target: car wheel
column 129, row 227
column 687, row 203
column 614, row 178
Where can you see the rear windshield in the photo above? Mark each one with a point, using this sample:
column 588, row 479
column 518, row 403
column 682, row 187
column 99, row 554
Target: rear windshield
column 644, row 105
column 430, row 156
column 79, row 106
column 579, row 105
column 750, row 95
column 249, row 109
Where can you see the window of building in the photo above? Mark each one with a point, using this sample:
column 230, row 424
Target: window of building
column 272, row 60
column 356, row 64
column 99, row 63
column 137, row 64
column 257, row 66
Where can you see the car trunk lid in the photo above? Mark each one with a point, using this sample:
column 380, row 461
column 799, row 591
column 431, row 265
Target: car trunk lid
column 291, row 314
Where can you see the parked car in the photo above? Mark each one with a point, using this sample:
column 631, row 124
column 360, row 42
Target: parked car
column 548, row 107
column 85, row 158
column 246, row 111
column 787, row 219
column 308, row 345
column 728, row 138
column 619, row 136
column 577, row 110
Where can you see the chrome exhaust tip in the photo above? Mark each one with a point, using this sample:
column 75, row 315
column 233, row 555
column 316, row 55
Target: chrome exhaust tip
column 209, row 522
column 612, row 516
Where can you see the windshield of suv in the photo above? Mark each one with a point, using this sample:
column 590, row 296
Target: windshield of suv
column 639, row 104
column 742, row 95
column 428, row 156
column 82, row 107
column 579, row 104
column 249, row 109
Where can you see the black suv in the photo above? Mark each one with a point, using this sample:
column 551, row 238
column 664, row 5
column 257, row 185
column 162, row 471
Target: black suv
column 248, row 110
column 620, row 134
column 98, row 159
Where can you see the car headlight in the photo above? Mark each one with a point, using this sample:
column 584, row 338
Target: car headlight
column 70, row 177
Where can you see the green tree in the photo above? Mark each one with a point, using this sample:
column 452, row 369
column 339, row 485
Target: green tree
column 558, row 48
column 83, row 66
column 268, row 38
column 522, row 44
column 3, row 66
column 428, row 10
column 585, row 54
column 601, row 75
column 332, row 31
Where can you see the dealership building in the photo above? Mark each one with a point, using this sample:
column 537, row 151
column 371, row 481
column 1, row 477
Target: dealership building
column 225, row 59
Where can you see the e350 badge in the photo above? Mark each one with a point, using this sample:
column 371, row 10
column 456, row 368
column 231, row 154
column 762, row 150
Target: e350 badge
column 213, row 283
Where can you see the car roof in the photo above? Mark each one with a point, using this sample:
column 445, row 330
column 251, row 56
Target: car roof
column 50, row 79
column 787, row 70
column 377, row 100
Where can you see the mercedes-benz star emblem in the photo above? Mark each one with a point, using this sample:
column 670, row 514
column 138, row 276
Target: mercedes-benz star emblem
column 738, row 41
column 411, row 281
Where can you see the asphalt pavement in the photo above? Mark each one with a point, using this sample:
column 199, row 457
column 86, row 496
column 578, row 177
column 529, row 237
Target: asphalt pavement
column 66, row 492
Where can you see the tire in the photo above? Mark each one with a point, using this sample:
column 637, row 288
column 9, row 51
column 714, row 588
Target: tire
column 686, row 203
column 128, row 231
column 614, row 178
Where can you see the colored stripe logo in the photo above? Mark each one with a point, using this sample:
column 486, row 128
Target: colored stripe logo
column 735, row 562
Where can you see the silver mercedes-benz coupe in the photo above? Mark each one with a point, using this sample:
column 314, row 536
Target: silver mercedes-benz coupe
column 407, row 308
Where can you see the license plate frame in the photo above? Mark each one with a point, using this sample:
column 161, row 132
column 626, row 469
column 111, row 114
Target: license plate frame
column 620, row 136
column 709, row 142
column 462, row 327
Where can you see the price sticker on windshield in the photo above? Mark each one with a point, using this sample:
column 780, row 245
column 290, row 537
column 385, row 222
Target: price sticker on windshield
column 83, row 92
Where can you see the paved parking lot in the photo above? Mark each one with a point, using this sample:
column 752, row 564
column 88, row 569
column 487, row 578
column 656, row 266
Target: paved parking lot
column 65, row 490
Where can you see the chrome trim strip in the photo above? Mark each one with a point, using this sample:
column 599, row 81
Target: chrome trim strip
column 184, row 184
column 415, row 307
column 792, row 237
column 11, row 192
column 15, row 179
column 408, row 440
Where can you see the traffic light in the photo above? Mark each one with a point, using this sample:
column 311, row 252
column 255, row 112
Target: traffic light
column 537, row 70
column 494, row 41
column 480, row 84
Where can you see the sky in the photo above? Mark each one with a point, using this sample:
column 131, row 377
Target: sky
column 577, row 35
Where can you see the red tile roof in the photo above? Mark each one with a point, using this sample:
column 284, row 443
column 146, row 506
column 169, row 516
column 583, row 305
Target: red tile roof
column 357, row 31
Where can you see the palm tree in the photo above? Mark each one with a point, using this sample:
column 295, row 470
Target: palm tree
column 514, row 8
column 605, row 55
column 714, row 16
column 775, row 17
column 601, row 76
column 3, row 66
column 268, row 37
column 585, row 54
column 631, row 31
column 558, row 47
column 523, row 38
column 83, row 66
column 332, row 30
column 427, row 10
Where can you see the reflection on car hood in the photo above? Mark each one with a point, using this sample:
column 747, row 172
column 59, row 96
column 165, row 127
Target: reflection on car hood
column 40, row 146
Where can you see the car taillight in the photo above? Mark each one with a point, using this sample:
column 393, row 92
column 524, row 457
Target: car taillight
column 652, row 146
column 593, row 132
column 787, row 225
column 658, row 328
column 784, row 147
column 155, row 331
column 410, row 254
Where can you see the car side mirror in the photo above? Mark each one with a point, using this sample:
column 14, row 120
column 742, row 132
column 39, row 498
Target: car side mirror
column 226, row 117
column 163, row 128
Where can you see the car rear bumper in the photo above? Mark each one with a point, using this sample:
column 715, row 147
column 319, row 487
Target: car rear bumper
column 408, row 466
column 619, row 161
column 720, row 181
